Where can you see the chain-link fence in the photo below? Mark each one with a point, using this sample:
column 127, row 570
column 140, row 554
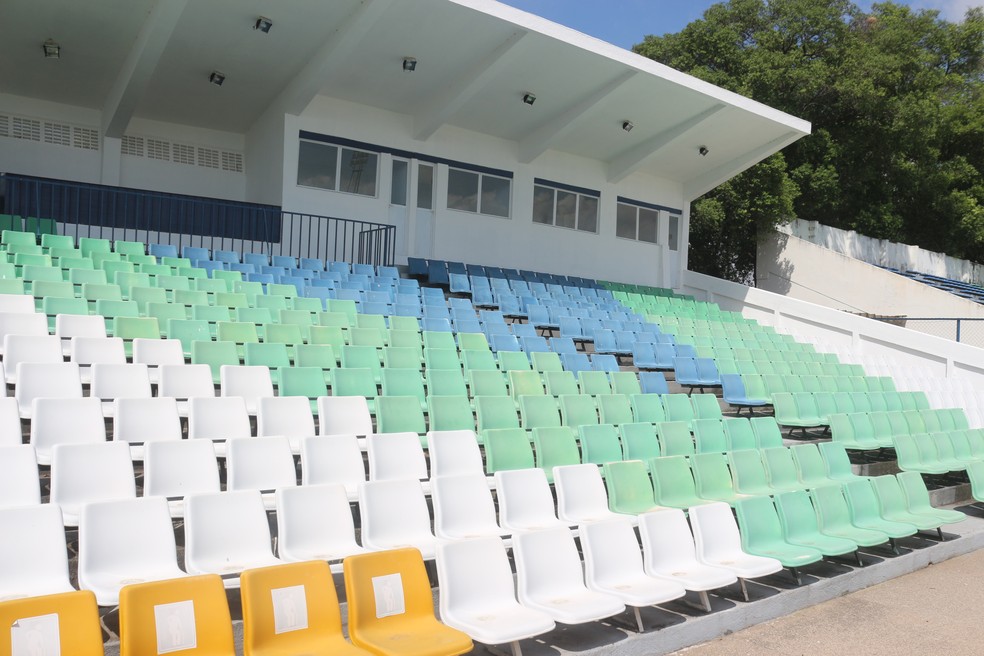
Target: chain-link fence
column 964, row 330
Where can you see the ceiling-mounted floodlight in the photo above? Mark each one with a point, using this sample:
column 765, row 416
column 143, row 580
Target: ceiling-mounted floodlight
column 51, row 49
column 216, row 78
column 627, row 126
column 409, row 64
column 529, row 98
column 263, row 24
column 703, row 151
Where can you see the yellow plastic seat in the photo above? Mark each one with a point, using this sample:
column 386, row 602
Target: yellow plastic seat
column 275, row 624
column 391, row 607
column 66, row 623
column 188, row 615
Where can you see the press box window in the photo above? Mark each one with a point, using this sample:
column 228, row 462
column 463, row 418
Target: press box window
column 638, row 223
column 336, row 168
column 565, row 209
column 481, row 193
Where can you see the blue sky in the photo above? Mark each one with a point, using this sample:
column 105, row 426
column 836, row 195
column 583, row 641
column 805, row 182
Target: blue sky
column 626, row 22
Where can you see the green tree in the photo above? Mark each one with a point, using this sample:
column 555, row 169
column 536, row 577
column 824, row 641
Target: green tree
column 895, row 99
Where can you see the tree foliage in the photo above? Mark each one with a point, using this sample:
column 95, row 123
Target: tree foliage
column 896, row 99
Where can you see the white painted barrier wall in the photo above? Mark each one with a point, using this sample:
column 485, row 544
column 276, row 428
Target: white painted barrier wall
column 936, row 356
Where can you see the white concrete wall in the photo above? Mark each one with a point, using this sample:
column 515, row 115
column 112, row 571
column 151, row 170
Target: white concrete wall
column 938, row 356
column 475, row 238
column 886, row 253
column 807, row 271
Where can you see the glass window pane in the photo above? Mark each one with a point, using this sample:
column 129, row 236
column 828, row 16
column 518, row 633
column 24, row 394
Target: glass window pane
column 674, row 233
column 625, row 221
column 495, row 196
column 566, row 209
column 316, row 165
column 543, row 200
column 587, row 214
column 398, row 192
column 648, row 220
column 425, row 186
column 462, row 190
column 357, row 174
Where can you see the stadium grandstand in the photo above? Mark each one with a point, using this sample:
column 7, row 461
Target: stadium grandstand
column 366, row 326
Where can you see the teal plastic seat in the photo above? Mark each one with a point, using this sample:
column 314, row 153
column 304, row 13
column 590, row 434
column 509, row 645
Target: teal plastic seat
column 614, row 409
column 799, row 526
column 555, row 446
column 678, row 408
column 673, row 483
column 513, row 361
column 767, row 434
column 630, row 491
column 449, row 413
column 639, row 442
column 712, row 478
column 748, row 473
column 446, row 382
column 706, row 406
column 780, row 469
column 187, row 331
column 917, row 500
column 599, row 443
column 487, row 383
column 762, row 535
column 441, row 359
column 400, row 414
column 401, row 357
column 578, row 410
column 894, row 508
column 539, row 412
column 866, row 512
column 648, row 408
column 272, row 356
column 356, row 381
column 809, row 465
column 910, row 457
column 975, row 472
column 404, row 382
column 675, row 439
column 594, row 382
column 836, row 461
column 739, row 434
column 625, row 382
column 709, row 436
column 214, row 354
column 362, row 357
column 834, row 517
column 546, row 363
column 560, row 382
column 308, row 382
column 507, row 449
column 495, row 412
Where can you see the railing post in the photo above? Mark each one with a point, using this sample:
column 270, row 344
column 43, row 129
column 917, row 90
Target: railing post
column 958, row 330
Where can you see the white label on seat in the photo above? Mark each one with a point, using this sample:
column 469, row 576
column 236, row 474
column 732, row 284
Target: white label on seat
column 289, row 609
column 35, row 636
column 175, row 625
column 388, row 591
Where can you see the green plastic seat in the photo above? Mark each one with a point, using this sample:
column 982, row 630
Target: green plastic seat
column 599, row 443
column 441, row 359
column 546, row 363
column 254, row 315
column 130, row 328
column 273, row 356
column 673, row 483
column 307, row 304
column 308, row 382
column 446, row 382
column 578, row 410
column 560, row 382
column 781, row 469
column 273, row 303
column 883, row 434
column 678, row 408
column 809, row 465
column 639, row 442
column 917, row 499
column 615, row 409
column 712, row 478
column 625, row 382
column 748, row 472
column 281, row 289
column 836, row 461
column 513, row 361
column 630, row 491
column 594, row 382
column 95, row 292
column 853, row 431
column 705, row 406
column 240, row 332
column 144, row 296
column 767, row 434
column 356, row 381
column 165, row 312
column 362, row 357
column 495, row 412
column 50, row 240
column 400, row 414
column 648, row 408
column 507, row 449
column 975, row 472
column 12, row 285
column 374, row 337
column 215, row 286
column 90, row 245
column 910, row 457
column 407, row 339
column 448, row 413
column 346, row 307
column 439, row 339
column 336, row 319
column 401, row 357
column 834, row 517
column 472, row 341
column 231, row 278
column 409, row 324
column 41, row 288
column 332, row 336
column 525, row 383
column 10, row 237
column 739, row 434
column 187, row 331
column 799, row 524
column 709, row 436
column 127, row 280
column 675, row 438
column 404, row 382
column 474, row 360
column 762, row 535
column 484, row 382
column 555, row 446
column 55, row 306
column 866, row 511
column 894, row 508
column 231, row 300
column 214, row 354
column 539, row 412
column 213, row 314
column 288, row 334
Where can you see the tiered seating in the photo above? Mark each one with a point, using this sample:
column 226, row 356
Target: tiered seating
column 959, row 288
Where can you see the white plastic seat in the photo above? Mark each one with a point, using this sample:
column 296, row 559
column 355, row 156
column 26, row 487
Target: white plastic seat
column 65, row 421
column 218, row 418
column 45, row 380
column 17, row 303
column 118, row 381
column 669, row 553
column 33, row 349
column 394, row 514
column 250, row 382
column 453, row 453
column 463, row 508
column 550, row 579
column 525, row 501
column 68, row 326
column 123, row 543
column 226, row 533
column 581, row 494
column 19, row 482
column 183, row 382
column 478, row 596
column 334, row 459
column 718, row 543
column 314, row 522
column 36, row 562
column 22, row 323
column 397, row 456
column 85, row 473
column 344, row 415
column 156, row 353
column 613, row 565
column 87, row 351
column 289, row 416
column 176, row 469
column 138, row 421
column 260, row 463
column 11, row 431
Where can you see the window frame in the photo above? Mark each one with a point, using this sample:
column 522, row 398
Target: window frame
column 578, row 192
column 481, row 176
column 339, row 154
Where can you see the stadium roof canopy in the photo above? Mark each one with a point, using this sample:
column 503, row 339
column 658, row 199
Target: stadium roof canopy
column 475, row 60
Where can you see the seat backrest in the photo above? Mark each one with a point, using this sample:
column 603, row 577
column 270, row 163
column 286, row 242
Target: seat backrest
column 454, row 452
column 463, row 507
column 332, row 459
column 251, row 383
column 580, row 492
column 65, row 421
column 343, row 415
column 599, row 444
column 185, row 381
column 36, row 563
column 396, row 456
column 399, row 414
column 259, row 463
column 189, row 614
column 547, row 564
column 85, row 473
column 667, row 542
column 525, row 500
column 224, row 527
column 156, row 352
column 392, row 511
column 715, row 532
column 284, row 415
column 314, row 519
column 179, row 468
column 675, row 439
column 146, row 419
column 611, row 551
column 19, row 476
column 66, row 623
column 630, row 490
